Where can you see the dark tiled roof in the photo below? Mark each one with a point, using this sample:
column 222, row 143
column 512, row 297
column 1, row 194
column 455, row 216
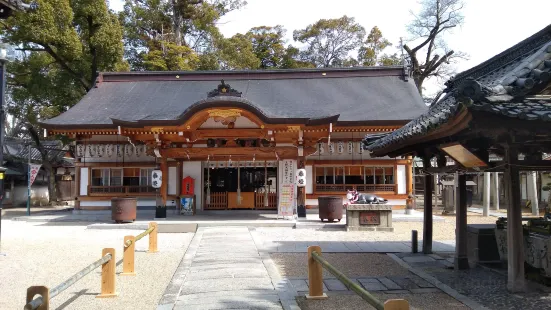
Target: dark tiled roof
column 529, row 109
column 17, row 148
column 352, row 95
column 501, row 85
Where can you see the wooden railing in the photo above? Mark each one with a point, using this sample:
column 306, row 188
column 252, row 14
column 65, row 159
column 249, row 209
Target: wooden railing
column 38, row 297
column 272, row 201
column 316, row 264
column 108, row 190
column 218, row 201
column 364, row 188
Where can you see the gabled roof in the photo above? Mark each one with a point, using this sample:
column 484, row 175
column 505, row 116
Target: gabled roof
column 506, row 84
column 343, row 95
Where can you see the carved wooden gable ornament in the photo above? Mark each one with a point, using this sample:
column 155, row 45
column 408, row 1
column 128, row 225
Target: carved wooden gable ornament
column 224, row 89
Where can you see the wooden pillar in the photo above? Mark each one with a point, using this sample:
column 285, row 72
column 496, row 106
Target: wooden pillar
column 427, row 221
column 515, row 241
column 461, row 260
column 495, row 190
column 531, row 179
column 164, row 184
column 486, row 194
column 409, row 176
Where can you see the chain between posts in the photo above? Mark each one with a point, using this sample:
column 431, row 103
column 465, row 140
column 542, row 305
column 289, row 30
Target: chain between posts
column 37, row 302
column 140, row 236
column 372, row 300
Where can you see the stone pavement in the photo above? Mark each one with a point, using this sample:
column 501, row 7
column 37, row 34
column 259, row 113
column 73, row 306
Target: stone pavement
column 486, row 288
column 390, row 285
column 223, row 269
column 283, row 246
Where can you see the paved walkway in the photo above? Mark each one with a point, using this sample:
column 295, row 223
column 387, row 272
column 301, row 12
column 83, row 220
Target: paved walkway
column 223, row 269
column 479, row 287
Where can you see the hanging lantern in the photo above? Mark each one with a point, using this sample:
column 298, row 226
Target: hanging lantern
column 101, row 150
column 139, row 150
column 109, row 150
column 321, row 149
column 340, row 147
column 129, row 150
column 360, row 147
column 350, row 147
column 332, row 147
column 80, row 150
column 119, row 150
column 92, row 150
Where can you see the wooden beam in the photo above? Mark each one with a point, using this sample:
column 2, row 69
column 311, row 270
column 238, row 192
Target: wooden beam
column 143, row 164
column 217, row 153
column 461, row 260
column 427, row 222
column 515, row 237
column 359, row 162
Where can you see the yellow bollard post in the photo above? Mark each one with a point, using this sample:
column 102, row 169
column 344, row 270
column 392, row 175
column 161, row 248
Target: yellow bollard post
column 43, row 291
column 396, row 304
column 153, row 238
column 128, row 257
column 108, row 275
column 315, row 275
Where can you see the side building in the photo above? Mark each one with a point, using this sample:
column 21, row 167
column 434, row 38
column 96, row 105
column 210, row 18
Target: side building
column 239, row 134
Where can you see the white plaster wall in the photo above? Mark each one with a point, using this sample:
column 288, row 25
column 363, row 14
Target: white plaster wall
column 194, row 169
column 172, row 180
column 401, row 178
column 309, row 180
column 84, row 181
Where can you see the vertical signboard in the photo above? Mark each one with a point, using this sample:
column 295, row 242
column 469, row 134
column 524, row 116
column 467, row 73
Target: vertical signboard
column 287, row 187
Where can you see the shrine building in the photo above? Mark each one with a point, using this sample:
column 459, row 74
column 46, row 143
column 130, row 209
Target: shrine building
column 240, row 135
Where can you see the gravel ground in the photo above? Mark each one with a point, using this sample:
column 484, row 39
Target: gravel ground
column 444, row 230
column 351, row 264
column 427, row 301
column 45, row 254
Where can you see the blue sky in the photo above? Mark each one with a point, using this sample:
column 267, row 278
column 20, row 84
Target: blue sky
column 491, row 26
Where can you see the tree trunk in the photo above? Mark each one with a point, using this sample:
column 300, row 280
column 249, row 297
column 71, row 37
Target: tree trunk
column 52, row 190
column 176, row 24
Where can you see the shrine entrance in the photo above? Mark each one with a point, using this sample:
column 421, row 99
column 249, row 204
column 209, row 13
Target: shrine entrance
column 243, row 187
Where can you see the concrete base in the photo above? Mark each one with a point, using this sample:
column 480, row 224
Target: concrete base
column 324, row 296
column 387, row 229
column 353, row 217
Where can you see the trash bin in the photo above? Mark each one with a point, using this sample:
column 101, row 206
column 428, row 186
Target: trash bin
column 123, row 209
column 330, row 208
column 469, row 197
column 301, row 211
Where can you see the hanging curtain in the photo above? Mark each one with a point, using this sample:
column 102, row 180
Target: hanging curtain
column 208, row 185
column 266, row 194
column 238, row 184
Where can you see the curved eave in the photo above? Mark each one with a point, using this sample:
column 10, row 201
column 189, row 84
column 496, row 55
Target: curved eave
column 405, row 146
